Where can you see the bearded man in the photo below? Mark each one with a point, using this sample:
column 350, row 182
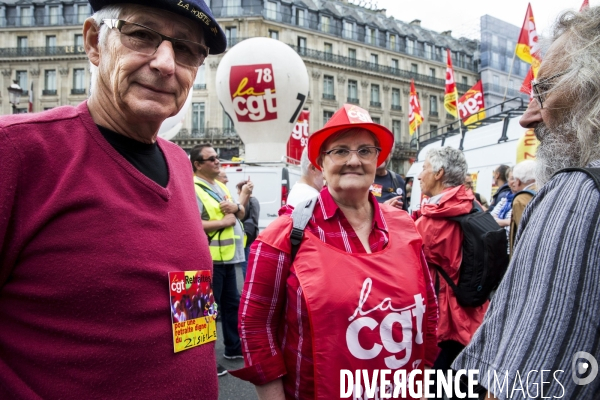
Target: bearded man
column 540, row 334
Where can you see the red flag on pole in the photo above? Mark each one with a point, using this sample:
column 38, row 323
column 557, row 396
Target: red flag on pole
column 451, row 95
column 528, row 49
column 30, row 109
column 415, row 118
column 471, row 105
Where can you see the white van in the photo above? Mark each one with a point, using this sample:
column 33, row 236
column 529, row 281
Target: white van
column 484, row 148
column 272, row 183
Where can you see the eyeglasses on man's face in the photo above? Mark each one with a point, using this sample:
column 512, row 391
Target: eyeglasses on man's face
column 341, row 155
column 211, row 159
column 144, row 40
column 541, row 88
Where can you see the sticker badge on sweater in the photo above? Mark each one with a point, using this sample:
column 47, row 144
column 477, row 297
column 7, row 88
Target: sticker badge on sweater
column 193, row 309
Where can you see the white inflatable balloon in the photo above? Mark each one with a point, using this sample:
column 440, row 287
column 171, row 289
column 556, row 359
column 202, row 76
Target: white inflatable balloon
column 262, row 84
column 167, row 130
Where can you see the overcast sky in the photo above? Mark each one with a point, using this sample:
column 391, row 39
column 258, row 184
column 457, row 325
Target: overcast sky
column 462, row 16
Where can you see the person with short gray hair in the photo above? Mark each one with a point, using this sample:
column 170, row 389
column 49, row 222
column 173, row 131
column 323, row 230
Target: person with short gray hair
column 523, row 184
column 442, row 179
column 545, row 318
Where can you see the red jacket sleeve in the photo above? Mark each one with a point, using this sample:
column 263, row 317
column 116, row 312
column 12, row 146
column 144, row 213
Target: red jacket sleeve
column 431, row 318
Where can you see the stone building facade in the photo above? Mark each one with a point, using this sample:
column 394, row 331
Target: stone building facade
column 352, row 54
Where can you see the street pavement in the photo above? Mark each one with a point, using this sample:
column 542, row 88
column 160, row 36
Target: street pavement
column 230, row 387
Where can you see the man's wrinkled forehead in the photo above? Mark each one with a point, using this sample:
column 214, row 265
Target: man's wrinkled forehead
column 554, row 60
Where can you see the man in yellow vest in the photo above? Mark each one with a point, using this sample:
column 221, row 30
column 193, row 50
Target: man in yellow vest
column 221, row 218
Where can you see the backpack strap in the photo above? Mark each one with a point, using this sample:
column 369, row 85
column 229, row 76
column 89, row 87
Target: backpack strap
column 446, row 277
column 300, row 216
column 394, row 179
column 593, row 173
column 528, row 191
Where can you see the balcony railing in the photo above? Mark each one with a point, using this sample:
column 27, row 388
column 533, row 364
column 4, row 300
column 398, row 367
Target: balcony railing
column 433, row 114
column 352, row 100
column 77, row 91
column 396, row 107
column 199, row 86
column 208, row 134
column 328, row 96
column 375, row 104
column 364, row 65
column 49, row 92
column 11, row 52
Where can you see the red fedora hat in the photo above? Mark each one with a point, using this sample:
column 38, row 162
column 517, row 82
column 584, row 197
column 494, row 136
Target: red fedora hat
column 350, row 116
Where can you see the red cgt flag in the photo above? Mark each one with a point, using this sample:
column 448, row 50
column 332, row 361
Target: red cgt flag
column 528, row 48
column 471, row 105
column 451, row 95
column 415, row 118
column 586, row 4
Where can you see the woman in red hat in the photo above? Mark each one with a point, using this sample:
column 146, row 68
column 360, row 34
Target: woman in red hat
column 357, row 295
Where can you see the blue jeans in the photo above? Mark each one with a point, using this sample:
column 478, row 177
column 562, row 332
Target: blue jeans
column 245, row 263
column 228, row 300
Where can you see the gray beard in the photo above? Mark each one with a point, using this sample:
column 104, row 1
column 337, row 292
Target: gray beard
column 559, row 148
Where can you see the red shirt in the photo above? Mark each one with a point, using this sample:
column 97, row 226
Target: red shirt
column 272, row 290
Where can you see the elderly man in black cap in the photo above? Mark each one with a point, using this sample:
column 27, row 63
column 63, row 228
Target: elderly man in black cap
column 96, row 211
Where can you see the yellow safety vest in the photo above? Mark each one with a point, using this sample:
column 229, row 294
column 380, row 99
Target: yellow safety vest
column 222, row 242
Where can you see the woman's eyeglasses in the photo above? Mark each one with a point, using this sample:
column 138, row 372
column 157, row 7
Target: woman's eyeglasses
column 142, row 39
column 341, row 156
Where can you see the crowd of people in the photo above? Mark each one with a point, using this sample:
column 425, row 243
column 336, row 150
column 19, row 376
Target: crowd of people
column 344, row 279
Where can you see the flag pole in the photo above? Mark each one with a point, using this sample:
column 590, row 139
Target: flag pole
column 509, row 74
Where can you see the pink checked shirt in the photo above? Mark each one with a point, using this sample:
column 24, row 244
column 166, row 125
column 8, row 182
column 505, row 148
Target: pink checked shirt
column 272, row 291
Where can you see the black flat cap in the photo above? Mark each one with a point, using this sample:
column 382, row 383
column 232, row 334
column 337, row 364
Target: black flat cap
column 196, row 10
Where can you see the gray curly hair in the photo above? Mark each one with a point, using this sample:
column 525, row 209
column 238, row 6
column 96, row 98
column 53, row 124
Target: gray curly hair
column 452, row 161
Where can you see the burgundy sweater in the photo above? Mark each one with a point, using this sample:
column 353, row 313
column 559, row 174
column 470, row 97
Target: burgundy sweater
column 86, row 242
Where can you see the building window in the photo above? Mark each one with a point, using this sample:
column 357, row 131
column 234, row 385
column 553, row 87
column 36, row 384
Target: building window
column 325, row 24
column 82, row 13
column 328, row 50
column 395, row 64
column 396, row 99
column 352, row 91
column 370, row 35
column 397, row 129
column 78, row 81
column 352, row 56
column 22, row 42
column 53, row 17
column 49, row 82
column 232, row 7
column 200, row 81
column 510, row 47
column 50, row 41
column 432, row 72
column 328, row 88
column 197, row 118
column 376, row 120
column 393, row 42
column 375, row 101
column 494, row 40
column 78, row 41
column 271, row 10
column 302, row 45
column 464, row 80
column 327, row 116
column 227, row 124
column 414, row 68
column 433, row 130
column 300, row 17
column 433, row 106
column 348, row 30
column 410, row 46
column 496, row 82
column 26, row 16
column 231, row 35
column 273, row 34
column 374, row 59
column 428, row 51
column 21, row 78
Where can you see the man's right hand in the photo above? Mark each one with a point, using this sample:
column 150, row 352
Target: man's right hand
column 228, row 220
